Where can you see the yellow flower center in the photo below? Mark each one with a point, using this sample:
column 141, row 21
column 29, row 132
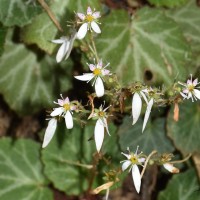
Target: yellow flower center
column 101, row 114
column 134, row 159
column 66, row 106
column 97, row 72
column 89, row 18
column 191, row 88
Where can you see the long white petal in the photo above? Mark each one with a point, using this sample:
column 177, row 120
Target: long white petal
column 59, row 41
column 99, row 134
column 62, row 51
column 68, row 120
column 71, row 42
column 57, row 111
column 95, row 27
column 82, row 31
column 106, row 125
column 147, row 113
column 85, row 77
column 136, row 107
column 197, row 93
column 136, row 178
column 99, row 87
column 126, row 164
column 51, row 128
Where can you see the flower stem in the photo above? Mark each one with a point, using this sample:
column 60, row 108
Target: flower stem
column 77, row 164
column 93, row 47
column 181, row 161
column 51, row 15
column 146, row 162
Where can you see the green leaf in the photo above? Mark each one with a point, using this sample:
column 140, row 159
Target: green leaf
column 18, row 12
column 182, row 186
column 27, row 82
column 168, row 3
column 188, row 17
column 21, row 174
column 151, row 47
column 185, row 132
column 42, row 30
column 68, row 148
column 3, row 32
column 153, row 138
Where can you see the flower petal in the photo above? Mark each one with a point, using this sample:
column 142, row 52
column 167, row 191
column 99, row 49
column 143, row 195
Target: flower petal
column 59, row 41
column 57, row 111
column 195, row 82
column 136, row 178
column 169, row 167
column 105, row 125
column 81, row 16
column 96, row 15
column 62, row 51
column 183, row 95
column 197, row 93
column 126, row 164
column 147, row 113
column 99, row 87
column 95, row 27
column 82, row 31
column 89, row 11
column 49, row 132
column 85, row 77
column 92, row 67
column 71, row 42
column 136, row 107
column 99, row 134
column 68, row 120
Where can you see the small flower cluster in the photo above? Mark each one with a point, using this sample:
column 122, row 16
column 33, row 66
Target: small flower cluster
column 88, row 22
column 99, row 73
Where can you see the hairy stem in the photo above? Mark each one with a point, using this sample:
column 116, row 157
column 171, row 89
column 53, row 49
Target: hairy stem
column 51, row 15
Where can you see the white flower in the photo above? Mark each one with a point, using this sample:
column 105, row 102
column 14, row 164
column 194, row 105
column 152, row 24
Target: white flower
column 190, row 90
column 98, row 73
column 169, row 167
column 101, row 116
column 133, row 160
column 65, row 48
column 51, row 128
column 64, row 110
column 89, row 22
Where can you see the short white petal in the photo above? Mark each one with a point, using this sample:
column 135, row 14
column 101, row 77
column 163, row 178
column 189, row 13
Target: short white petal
column 136, row 107
column 99, row 87
column 169, row 167
column 68, row 120
column 85, row 77
column 99, row 134
column 82, row 31
column 62, row 51
column 126, row 164
column 81, row 16
column 51, row 128
column 197, row 93
column 95, row 27
column 57, row 111
column 147, row 113
column 136, row 178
